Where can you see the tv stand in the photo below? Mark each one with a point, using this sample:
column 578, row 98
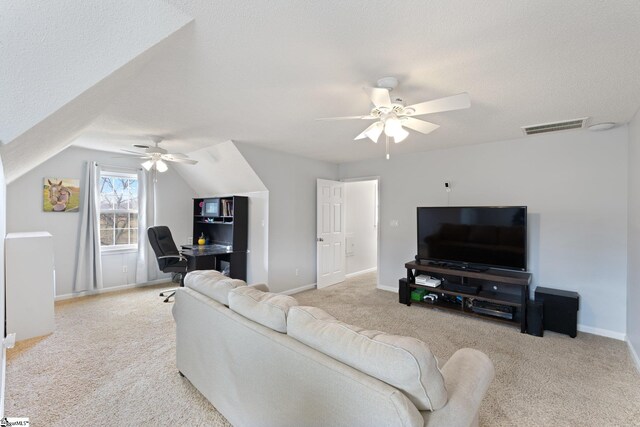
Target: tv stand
column 452, row 265
column 495, row 288
column 463, row 267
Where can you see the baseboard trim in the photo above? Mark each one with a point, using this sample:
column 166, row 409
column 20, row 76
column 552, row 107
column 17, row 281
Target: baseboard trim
column 387, row 288
column 110, row 289
column 299, row 289
column 634, row 355
column 358, row 273
column 602, row 332
column 4, row 376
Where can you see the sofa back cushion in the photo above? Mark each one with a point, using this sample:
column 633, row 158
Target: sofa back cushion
column 213, row 284
column 403, row 362
column 265, row 308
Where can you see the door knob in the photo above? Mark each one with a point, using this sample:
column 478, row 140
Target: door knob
column 320, row 239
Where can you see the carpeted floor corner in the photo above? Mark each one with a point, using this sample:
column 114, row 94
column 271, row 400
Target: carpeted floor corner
column 112, row 361
column 550, row 381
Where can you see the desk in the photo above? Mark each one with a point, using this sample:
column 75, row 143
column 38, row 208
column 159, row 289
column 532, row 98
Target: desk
column 214, row 257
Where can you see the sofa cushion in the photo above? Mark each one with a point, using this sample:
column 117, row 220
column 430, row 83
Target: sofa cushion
column 265, row 308
column 213, row 284
column 403, row 362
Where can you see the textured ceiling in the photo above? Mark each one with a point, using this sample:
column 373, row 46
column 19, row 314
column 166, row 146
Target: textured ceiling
column 261, row 72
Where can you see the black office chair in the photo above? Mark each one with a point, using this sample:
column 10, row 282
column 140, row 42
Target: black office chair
column 170, row 260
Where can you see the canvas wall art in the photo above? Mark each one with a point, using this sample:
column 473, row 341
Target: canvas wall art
column 61, row 195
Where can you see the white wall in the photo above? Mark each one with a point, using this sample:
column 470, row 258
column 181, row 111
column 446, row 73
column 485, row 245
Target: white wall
column 360, row 226
column 258, row 244
column 574, row 184
column 24, row 213
column 291, row 181
column 633, row 285
column 3, row 223
column 221, row 169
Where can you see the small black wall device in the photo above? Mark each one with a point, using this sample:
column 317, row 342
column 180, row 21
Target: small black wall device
column 560, row 310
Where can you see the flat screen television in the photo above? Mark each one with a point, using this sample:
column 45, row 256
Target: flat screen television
column 474, row 237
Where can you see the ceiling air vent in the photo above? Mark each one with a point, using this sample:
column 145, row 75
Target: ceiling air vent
column 554, row 127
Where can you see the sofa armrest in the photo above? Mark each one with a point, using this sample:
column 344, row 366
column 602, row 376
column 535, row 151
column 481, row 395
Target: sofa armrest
column 467, row 376
column 260, row 286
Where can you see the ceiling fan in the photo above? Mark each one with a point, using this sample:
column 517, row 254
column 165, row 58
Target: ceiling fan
column 157, row 156
column 392, row 116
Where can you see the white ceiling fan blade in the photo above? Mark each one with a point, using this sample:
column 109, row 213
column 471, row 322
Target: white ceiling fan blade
column 130, row 157
column 379, row 96
column 419, row 125
column 173, row 158
column 348, row 118
column 454, row 102
column 372, row 132
column 139, row 153
column 177, row 155
column 186, row 161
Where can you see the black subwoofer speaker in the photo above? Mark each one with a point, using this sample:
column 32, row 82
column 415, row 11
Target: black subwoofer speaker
column 534, row 318
column 560, row 310
column 404, row 293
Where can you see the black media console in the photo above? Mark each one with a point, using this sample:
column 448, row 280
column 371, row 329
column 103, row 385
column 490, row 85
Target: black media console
column 490, row 294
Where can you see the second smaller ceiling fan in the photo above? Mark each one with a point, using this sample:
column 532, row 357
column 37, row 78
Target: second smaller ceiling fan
column 157, row 156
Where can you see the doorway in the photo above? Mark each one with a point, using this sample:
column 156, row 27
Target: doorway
column 361, row 226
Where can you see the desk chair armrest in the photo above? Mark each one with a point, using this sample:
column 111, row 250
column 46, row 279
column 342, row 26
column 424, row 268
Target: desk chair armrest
column 181, row 257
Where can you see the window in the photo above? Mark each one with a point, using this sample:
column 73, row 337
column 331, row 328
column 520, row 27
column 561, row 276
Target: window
column 118, row 210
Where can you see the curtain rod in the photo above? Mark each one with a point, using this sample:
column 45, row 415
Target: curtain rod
column 119, row 166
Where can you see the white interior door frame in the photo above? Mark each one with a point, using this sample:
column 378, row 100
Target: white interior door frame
column 378, row 204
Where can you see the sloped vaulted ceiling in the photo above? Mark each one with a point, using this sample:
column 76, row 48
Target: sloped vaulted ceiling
column 260, row 72
column 63, row 61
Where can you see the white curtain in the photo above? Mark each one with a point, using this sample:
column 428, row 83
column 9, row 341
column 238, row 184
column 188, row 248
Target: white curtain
column 147, row 266
column 89, row 264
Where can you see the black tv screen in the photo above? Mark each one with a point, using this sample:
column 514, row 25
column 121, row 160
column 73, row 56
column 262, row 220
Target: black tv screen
column 478, row 236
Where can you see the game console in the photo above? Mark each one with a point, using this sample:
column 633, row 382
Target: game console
column 425, row 280
column 492, row 309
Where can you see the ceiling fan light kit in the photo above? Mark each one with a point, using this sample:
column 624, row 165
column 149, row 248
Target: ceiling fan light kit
column 161, row 166
column 393, row 117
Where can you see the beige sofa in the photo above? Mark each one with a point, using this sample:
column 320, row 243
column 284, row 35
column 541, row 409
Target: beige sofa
column 265, row 361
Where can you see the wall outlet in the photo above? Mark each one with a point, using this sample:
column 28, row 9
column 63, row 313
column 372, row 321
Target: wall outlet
column 124, row 269
column 394, row 223
column 189, row 240
column 297, row 272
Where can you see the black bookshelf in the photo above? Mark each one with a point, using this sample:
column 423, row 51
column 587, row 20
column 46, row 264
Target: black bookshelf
column 225, row 223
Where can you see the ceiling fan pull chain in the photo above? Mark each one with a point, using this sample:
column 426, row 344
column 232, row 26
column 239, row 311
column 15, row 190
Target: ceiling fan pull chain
column 387, row 146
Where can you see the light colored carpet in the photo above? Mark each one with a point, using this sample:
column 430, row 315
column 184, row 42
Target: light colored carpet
column 112, row 361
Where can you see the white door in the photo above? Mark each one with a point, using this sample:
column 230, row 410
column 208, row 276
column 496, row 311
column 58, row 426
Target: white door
column 331, row 234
